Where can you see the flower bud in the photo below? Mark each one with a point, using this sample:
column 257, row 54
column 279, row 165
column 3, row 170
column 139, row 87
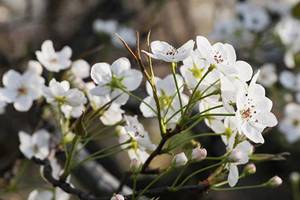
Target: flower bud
column 250, row 169
column 135, row 164
column 180, row 159
column 274, row 182
column 68, row 137
column 295, row 177
column 117, row 197
column 199, row 154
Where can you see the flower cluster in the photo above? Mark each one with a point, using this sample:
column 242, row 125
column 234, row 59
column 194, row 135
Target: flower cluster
column 207, row 84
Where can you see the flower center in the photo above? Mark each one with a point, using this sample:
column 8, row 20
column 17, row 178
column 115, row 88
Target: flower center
column 218, row 57
column 116, row 82
column 53, row 61
column 22, row 91
column 165, row 101
column 197, row 73
column 246, row 114
column 172, row 52
column 296, row 122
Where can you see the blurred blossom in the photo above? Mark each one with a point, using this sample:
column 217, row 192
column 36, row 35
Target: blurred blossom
column 111, row 27
column 52, row 60
column 288, row 30
column 232, row 31
column 40, row 195
column 21, row 89
column 253, row 17
column 290, row 80
column 267, row 76
column 81, row 68
column 128, row 36
column 281, row 7
column 117, row 197
column 36, row 145
column 105, row 26
column 290, row 124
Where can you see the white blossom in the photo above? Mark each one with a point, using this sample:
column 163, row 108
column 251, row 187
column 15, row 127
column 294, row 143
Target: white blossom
column 105, row 26
column 163, row 51
column 21, row 89
column 254, row 111
column 113, row 79
column 290, row 124
column 267, row 76
column 36, row 145
column 238, row 156
column 168, row 98
column 113, row 114
column 54, row 61
column 61, row 94
column 199, row 153
column 74, row 112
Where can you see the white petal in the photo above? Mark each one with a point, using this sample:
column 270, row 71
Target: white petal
column 266, row 118
column 122, row 97
column 233, row 175
column 11, row 79
column 100, row 90
column 252, row 133
column 66, row 52
column 132, row 79
column 244, row 70
column 119, row 66
column 81, row 68
column 148, row 112
column 101, row 73
column 23, row 103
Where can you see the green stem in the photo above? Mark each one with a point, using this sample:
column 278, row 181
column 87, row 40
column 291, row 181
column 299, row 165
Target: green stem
column 240, row 188
column 177, row 87
column 69, row 158
column 199, row 171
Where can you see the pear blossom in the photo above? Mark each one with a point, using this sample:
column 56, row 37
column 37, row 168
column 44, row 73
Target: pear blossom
column 168, row 98
column 274, row 181
column 36, row 145
column 267, row 76
column 213, row 122
column 254, row 18
column 114, row 112
column 254, row 111
column 54, row 61
column 220, row 55
column 180, row 159
column 81, row 69
column 21, row 89
column 113, row 79
column 193, row 69
column 290, row 124
column 61, row 94
column 163, row 51
column 238, row 156
column 136, row 150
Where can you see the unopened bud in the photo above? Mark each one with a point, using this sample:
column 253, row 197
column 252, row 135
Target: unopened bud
column 68, row 137
column 180, row 159
column 295, row 177
column 135, row 164
column 117, row 197
column 274, row 182
column 199, row 154
column 250, row 169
